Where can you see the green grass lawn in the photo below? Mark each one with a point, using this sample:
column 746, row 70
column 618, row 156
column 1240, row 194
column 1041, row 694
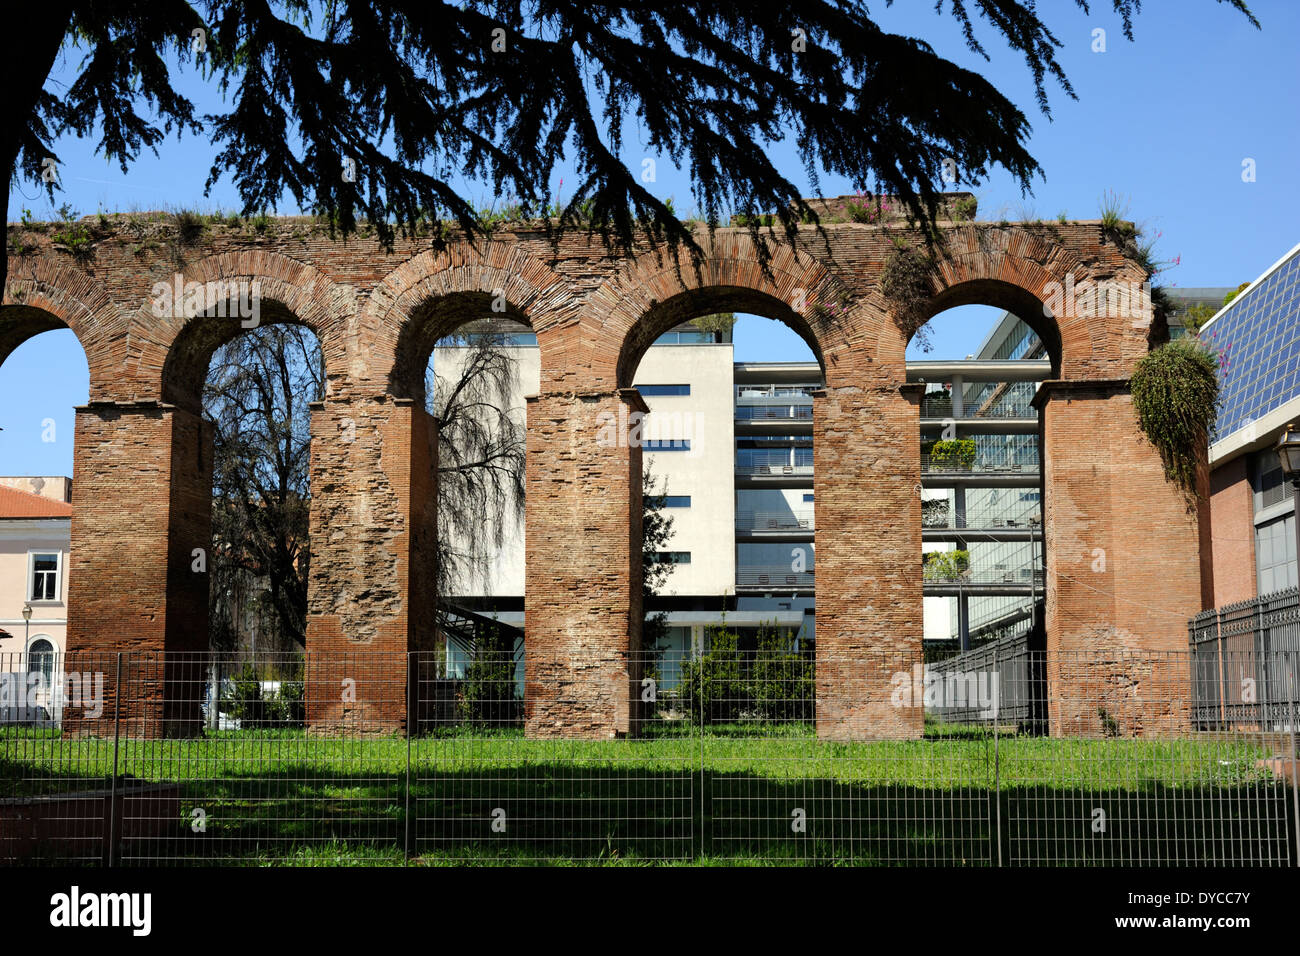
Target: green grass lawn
column 732, row 794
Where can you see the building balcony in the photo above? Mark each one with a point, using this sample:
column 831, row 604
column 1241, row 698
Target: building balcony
column 940, row 578
column 981, row 462
column 789, row 525
column 779, row 412
column 776, row 462
column 939, row 515
column 982, row 425
column 795, row 519
column 954, row 572
column 772, row 578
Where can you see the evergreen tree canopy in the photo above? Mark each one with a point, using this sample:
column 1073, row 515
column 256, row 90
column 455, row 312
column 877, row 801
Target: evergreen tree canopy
column 423, row 95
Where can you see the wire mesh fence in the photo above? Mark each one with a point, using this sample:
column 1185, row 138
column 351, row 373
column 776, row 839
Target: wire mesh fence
column 739, row 754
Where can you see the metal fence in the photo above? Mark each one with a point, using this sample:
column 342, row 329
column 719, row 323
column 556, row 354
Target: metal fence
column 1244, row 657
column 756, row 753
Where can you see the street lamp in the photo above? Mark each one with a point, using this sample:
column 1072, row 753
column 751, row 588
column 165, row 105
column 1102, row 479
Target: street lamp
column 27, row 623
column 1288, row 454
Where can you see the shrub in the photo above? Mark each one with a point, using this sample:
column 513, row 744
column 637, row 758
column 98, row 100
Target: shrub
column 951, row 454
column 727, row 684
column 72, row 235
column 963, row 210
column 189, row 226
column 711, row 687
column 867, row 209
column 946, row 565
column 1175, row 393
column 488, row 694
column 781, row 680
column 247, row 702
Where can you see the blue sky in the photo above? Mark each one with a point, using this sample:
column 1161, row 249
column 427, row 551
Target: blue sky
column 1165, row 121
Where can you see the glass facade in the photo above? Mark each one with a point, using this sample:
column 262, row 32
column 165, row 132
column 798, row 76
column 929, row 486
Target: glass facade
column 1257, row 341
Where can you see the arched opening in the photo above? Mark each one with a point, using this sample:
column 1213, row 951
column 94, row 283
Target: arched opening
column 477, row 374
column 980, row 362
column 40, row 658
column 252, row 380
column 728, row 553
column 44, row 378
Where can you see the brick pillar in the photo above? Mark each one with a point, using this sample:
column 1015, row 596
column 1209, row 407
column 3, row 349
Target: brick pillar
column 867, row 467
column 582, row 592
column 1124, row 572
column 141, row 506
column 371, row 590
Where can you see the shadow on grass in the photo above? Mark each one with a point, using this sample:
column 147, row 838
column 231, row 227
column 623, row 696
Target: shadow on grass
column 561, row 812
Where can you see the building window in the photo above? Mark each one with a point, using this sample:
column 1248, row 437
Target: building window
column 668, row 444
column 672, row 557
column 677, row 501
column 664, row 389
column 44, row 577
column 1267, row 481
column 1275, row 555
column 40, row 659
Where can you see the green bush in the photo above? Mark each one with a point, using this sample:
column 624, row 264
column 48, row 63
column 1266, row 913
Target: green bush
column 712, row 687
column 1175, row 394
column 727, row 684
column 488, row 694
column 781, row 680
column 953, row 454
column 946, row 565
column 246, row 702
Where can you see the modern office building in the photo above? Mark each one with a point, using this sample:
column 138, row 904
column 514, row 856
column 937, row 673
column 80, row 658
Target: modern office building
column 730, row 447
column 1256, row 338
column 981, row 486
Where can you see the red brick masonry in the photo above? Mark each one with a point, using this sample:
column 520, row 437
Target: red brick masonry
column 143, row 456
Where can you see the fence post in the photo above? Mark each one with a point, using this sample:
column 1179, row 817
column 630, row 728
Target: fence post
column 112, row 787
column 411, row 717
column 1295, row 758
column 997, row 764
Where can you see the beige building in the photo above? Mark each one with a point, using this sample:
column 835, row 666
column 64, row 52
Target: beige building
column 35, row 529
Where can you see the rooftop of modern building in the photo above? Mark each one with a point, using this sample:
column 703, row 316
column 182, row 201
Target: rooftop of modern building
column 1256, row 340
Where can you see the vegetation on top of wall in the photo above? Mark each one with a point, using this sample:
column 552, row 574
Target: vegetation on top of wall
column 906, row 284
column 1175, row 393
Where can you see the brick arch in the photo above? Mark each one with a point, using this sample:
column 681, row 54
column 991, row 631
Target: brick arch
column 42, row 294
column 652, row 293
column 1016, row 270
column 169, row 354
column 435, row 292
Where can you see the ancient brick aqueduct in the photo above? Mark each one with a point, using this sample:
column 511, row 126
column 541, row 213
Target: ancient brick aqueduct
column 142, row 490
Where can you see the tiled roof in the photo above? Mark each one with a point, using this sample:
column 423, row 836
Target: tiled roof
column 24, row 504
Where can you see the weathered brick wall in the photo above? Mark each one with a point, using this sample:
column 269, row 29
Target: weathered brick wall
column 1123, row 566
column 867, row 475
column 1232, row 524
column 377, row 313
column 582, row 613
column 140, row 508
column 374, row 540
